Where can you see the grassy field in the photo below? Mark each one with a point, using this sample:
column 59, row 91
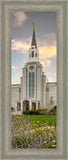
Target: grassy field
column 50, row 119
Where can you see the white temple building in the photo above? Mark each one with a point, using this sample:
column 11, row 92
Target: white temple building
column 34, row 91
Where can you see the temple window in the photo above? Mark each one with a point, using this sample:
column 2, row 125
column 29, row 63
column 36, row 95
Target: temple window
column 35, row 54
column 32, row 53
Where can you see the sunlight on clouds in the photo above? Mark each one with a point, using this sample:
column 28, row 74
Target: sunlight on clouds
column 20, row 45
column 50, row 39
column 15, row 68
column 44, row 51
column 43, row 63
column 47, row 40
column 48, row 62
column 19, row 81
column 16, row 81
column 47, row 51
column 19, row 18
column 50, row 78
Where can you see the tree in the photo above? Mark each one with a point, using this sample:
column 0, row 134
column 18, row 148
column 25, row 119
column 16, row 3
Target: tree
column 51, row 102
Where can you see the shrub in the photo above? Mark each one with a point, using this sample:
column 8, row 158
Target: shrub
column 43, row 110
column 55, row 107
column 52, row 110
column 12, row 108
column 31, row 112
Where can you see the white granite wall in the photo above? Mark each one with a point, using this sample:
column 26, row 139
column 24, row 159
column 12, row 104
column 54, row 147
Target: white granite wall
column 49, row 90
column 21, row 87
column 52, row 87
column 15, row 95
column 24, row 83
column 27, row 81
column 44, row 91
column 39, row 83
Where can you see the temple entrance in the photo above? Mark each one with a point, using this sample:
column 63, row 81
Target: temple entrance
column 33, row 106
column 38, row 105
column 18, row 106
column 25, row 105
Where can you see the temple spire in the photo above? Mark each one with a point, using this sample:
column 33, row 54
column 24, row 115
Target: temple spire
column 33, row 37
column 34, row 26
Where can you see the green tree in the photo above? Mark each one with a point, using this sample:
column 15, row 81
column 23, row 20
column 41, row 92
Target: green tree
column 52, row 102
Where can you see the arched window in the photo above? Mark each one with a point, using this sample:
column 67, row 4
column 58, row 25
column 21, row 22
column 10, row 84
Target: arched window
column 25, row 105
column 32, row 53
column 31, row 84
column 18, row 106
column 35, row 54
column 30, row 79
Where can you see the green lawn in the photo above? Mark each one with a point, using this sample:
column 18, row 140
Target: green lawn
column 50, row 119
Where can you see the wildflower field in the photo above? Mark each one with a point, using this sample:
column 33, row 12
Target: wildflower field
column 33, row 131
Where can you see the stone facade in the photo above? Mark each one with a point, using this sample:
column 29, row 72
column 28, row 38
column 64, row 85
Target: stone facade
column 34, row 91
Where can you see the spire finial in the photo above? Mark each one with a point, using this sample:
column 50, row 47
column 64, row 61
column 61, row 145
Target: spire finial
column 33, row 37
column 34, row 26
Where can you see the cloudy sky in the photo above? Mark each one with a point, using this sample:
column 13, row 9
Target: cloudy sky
column 21, row 34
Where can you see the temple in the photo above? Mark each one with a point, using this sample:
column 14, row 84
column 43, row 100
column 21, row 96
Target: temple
column 34, row 91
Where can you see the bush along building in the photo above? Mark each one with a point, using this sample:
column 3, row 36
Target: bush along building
column 34, row 91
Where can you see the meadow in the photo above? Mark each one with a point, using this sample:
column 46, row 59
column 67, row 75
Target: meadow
column 33, row 131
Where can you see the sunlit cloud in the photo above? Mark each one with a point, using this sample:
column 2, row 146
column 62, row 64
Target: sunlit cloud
column 54, row 74
column 47, row 51
column 48, row 62
column 19, row 18
column 43, row 63
column 50, row 39
column 15, row 68
column 47, row 39
column 47, row 47
column 50, row 78
column 20, row 46
column 17, row 81
column 23, row 47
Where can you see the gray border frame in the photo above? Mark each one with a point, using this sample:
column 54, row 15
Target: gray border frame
column 62, row 61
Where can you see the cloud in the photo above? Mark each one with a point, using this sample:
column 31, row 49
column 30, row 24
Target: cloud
column 21, row 46
column 15, row 68
column 43, row 63
column 48, row 62
column 19, row 18
column 47, row 39
column 50, row 78
column 47, row 51
column 50, row 39
column 16, row 81
column 47, row 46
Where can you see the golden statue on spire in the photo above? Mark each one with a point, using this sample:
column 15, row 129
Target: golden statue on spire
column 34, row 26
